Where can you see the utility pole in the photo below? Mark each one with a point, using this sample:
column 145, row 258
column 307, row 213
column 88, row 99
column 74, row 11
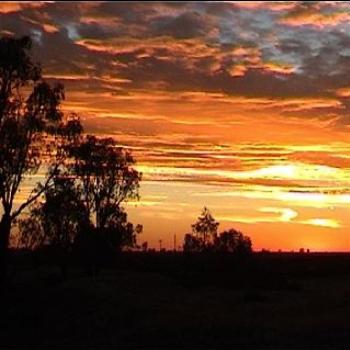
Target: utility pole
column 175, row 243
column 160, row 245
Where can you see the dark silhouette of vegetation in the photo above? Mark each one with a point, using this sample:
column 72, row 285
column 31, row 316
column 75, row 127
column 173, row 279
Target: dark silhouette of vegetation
column 106, row 179
column 192, row 244
column 205, row 228
column 33, row 130
column 54, row 223
column 82, row 212
column 79, row 203
column 84, row 204
column 144, row 246
column 232, row 241
column 204, row 237
column 56, row 220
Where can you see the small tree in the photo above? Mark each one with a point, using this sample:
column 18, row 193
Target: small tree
column 204, row 237
column 232, row 241
column 205, row 228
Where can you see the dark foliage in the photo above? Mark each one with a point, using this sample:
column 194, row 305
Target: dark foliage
column 33, row 130
column 204, row 238
column 232, row 241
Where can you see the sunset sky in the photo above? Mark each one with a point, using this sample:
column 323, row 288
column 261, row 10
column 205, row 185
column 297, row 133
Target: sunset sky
column 240, row 106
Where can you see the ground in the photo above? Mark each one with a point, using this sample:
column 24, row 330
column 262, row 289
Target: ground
column 282, row 302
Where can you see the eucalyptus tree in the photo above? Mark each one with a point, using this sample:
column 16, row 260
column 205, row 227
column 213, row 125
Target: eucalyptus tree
column 108, row 178
column 56, row 219
column 34, row 133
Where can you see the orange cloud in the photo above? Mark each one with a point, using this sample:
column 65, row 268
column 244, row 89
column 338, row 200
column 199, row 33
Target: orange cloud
column 279, row 68
column 315, row 19
column 9, row 7
column 267, row 5
column 343, row 92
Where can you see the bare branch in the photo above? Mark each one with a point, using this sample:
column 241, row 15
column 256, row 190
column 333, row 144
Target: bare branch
column 33, row 198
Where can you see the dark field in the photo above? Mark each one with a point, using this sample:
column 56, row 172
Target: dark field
column 176, row 301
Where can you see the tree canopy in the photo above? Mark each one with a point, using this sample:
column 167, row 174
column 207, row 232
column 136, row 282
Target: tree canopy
column 34, row 133
column 205, row 227
column 107, row 177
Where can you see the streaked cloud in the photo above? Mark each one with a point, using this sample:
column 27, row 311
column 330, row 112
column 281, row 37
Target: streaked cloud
column 322, row 222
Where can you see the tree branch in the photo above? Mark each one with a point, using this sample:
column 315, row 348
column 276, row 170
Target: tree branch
column 36, row 196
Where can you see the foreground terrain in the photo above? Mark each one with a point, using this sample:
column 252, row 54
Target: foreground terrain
column 174, row 301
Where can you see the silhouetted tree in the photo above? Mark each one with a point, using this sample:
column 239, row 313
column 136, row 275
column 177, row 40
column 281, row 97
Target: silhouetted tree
column 119, row 233
column 95, row 246
column 59, row 214
column 84, row 205
column 107, row 177
column 55, row 221
column 32, row 130
column 232, row 241
column 204, row 232
column 205, row 228
column 192, row 244
column 204, row 237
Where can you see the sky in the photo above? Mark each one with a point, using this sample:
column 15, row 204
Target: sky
column 243, row 107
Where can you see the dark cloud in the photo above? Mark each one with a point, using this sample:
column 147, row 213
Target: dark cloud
column 192, row 46
column 97, row 31
column 184, row 26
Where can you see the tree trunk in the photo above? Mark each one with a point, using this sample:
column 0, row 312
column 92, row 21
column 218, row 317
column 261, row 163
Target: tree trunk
column 5, row 229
